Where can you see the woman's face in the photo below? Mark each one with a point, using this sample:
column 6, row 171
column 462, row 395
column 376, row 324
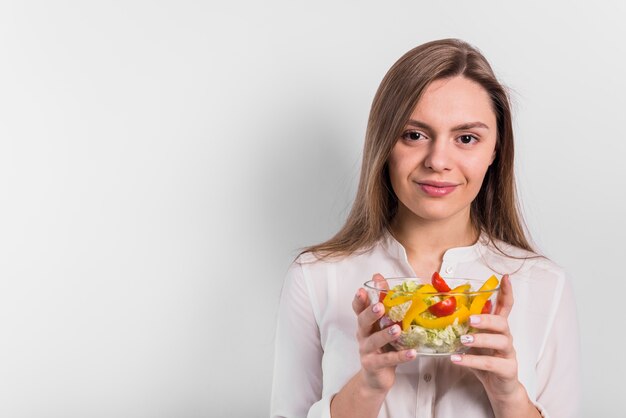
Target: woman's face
column 438, row 165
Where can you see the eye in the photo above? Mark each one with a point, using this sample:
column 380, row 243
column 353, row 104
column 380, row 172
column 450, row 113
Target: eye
column 412, row 136
column 468, row 139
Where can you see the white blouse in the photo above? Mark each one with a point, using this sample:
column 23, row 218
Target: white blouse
column 316, row 350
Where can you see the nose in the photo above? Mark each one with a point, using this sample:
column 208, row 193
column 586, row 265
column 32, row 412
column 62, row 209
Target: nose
column 439, row 156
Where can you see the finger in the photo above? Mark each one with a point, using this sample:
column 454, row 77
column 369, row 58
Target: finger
column 505, row 298
column 380, row 281
column 498, row 342
column 488, row 322
column 503, row 367
column 390, row 359
column 381, row 284
column 360, row 302
column 368, row 318
column 379, row 339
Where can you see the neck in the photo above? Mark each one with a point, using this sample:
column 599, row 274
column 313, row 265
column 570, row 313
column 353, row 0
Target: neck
column 430, row 239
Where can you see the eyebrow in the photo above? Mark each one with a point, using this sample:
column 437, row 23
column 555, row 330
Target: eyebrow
column 461, row 127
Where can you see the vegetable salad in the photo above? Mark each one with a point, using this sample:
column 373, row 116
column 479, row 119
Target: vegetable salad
column 434, row 316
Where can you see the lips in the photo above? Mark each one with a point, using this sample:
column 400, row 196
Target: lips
column 437, row 188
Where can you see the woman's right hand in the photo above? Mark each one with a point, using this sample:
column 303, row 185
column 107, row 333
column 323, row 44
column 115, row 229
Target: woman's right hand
column 378, row 367
column 365, row 393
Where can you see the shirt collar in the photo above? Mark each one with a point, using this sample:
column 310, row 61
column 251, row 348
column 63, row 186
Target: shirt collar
column 456, row 254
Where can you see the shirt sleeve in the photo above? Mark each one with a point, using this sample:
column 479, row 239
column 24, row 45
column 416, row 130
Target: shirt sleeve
column 558, row 368
column 297, row 378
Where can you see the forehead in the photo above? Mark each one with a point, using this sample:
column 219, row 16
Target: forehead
column 453, row 101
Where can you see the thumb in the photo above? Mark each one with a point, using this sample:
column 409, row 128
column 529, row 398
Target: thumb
column 380, row 281
column 360, row 301
column 505, row 297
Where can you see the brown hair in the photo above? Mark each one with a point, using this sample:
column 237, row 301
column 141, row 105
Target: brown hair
column 495, row 210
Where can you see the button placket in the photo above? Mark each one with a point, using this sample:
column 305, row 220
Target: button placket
column 425, row 388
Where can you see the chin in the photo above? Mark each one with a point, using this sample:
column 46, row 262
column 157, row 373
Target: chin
column 435, row 217
column 436, row 212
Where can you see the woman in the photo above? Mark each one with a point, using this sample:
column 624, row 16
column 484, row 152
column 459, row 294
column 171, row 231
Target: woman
column 436, row 193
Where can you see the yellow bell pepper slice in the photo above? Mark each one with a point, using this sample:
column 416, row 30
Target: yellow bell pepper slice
column 434, row 323
column 418, row 305
column 461, row 300
column 479, row 301
column 390, row 301
column 427, row 288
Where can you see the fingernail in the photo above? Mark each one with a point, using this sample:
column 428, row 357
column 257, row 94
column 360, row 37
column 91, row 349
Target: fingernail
column 474, row 319
column 467, row 339
column 411, row 353
column 455, row 358
column 357, row 294
column 377, row 308
column 394, row 330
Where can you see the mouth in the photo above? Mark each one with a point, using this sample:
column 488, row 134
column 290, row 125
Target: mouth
column 437, row 188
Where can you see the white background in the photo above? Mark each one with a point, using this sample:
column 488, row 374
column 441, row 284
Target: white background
column 161, row 163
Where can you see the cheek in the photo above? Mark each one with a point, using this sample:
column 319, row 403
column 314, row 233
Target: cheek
column 400, row 171
column 476, row 168
column 476, row 179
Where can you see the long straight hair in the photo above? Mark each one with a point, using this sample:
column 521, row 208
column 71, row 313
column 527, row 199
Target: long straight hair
column 495, row 210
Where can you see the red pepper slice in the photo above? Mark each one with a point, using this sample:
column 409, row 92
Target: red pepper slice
column 486, row 308
column 444, row 308
column 381, row 296
column 382, row 286
column 439, row 283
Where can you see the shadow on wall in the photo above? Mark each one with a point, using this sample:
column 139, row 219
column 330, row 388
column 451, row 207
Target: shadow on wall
column 308, row 180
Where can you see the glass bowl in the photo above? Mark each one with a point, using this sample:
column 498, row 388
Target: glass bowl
column 432, row 321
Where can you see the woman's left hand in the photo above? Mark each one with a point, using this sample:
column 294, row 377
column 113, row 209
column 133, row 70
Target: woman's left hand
column 496, row 364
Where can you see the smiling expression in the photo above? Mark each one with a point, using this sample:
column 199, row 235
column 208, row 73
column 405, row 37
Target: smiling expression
column 438, row 164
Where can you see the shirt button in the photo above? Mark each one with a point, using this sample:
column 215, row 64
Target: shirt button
column 427, row 377
column 449, row 270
